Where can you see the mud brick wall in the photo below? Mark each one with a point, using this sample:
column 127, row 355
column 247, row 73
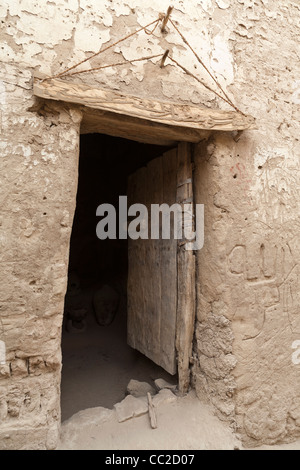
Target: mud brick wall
column 248, row 271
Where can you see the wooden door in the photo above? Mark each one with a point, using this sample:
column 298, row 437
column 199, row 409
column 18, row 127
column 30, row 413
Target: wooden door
column 161, row 299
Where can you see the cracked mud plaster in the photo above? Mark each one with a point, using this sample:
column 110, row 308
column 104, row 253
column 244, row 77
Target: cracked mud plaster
column 248, row 270
column 249, row 274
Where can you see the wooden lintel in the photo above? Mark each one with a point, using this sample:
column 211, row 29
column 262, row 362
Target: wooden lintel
column 141, row 130
column 176, row 121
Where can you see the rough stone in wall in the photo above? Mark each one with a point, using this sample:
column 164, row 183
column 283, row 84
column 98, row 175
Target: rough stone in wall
column 213, row 371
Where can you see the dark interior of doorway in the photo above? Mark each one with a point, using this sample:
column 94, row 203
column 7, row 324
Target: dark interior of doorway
column 97, row 362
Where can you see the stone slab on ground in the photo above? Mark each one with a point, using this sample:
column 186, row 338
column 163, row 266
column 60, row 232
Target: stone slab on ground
column 139, row 389
column 85, row 420
column 161, row 383
column 163, row 397
column 131, row 407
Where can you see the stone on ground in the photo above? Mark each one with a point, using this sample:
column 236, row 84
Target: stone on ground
column 139, row 389
column 84, row 420
column 163, row 397
column 161, row 383
column 131, row 407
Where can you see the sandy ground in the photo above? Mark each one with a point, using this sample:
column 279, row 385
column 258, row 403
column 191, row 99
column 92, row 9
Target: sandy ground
column 185, row 424
column 97, row 366
column 179, row 427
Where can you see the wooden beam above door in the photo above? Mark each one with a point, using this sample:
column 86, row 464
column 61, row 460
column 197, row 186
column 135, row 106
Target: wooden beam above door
column 143, row 119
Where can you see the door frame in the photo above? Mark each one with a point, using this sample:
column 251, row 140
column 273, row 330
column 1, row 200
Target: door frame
column 154, row 122
column 186, row 274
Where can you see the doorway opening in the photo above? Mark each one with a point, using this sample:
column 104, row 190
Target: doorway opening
column 97, row 362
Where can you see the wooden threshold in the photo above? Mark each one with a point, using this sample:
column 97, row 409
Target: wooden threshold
column 146, row 120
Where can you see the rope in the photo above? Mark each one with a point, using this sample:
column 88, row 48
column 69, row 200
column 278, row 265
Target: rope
column 164, row 19
column 204, row 84
column 114, row 65
column 103, row 50
column 151, row 32
column 204, row 66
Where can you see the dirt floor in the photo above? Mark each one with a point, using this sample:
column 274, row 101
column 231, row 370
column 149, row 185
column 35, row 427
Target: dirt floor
column 183, row 424
column 179, row 427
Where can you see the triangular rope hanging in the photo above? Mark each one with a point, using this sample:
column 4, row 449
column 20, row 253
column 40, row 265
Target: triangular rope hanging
column 164, row 19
